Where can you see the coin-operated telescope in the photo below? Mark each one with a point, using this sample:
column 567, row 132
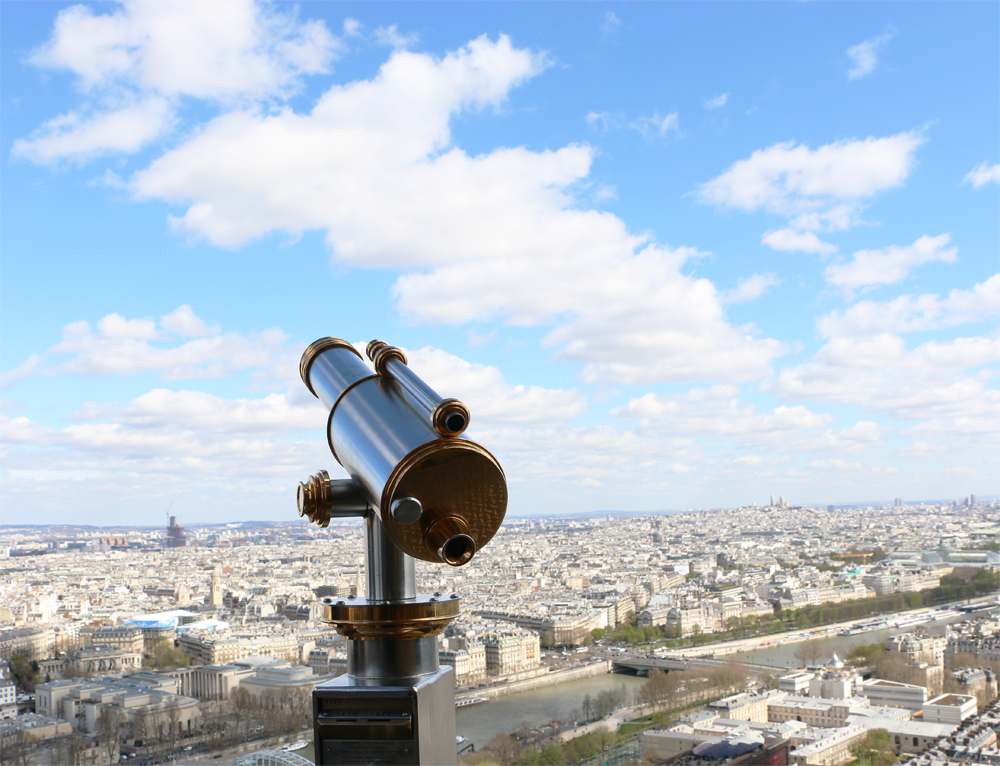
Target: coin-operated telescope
column 424, row 492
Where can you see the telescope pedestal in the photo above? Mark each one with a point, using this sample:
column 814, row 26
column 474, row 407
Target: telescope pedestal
column 395, row 704
column 379, row 713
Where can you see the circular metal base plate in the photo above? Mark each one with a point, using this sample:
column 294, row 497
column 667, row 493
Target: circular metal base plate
column 359, row 619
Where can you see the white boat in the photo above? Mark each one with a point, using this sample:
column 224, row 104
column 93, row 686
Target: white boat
column 471, row 701
column 297, row 745
column 913, row 619
column 459, row 739
column 865, row 627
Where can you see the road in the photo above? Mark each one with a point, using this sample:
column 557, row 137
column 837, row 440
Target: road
column 792, row 637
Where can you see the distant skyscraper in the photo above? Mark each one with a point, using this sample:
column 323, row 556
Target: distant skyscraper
column 175, row 534
column 972, row 501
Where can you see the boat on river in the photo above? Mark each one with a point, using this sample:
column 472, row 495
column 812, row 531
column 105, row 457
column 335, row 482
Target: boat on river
column 912, row 619
column 471, row 701
column 867, row 627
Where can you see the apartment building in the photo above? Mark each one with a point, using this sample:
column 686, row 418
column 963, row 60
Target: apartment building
column 508, row 653
column 128, row 639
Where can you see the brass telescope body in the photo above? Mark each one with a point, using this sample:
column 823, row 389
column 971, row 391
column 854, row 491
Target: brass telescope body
column 439, row 497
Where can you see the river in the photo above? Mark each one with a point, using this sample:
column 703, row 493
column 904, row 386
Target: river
column 479, row 723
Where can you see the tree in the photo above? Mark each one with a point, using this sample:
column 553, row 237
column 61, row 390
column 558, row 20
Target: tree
column 506, row 748
column 588, row 707
column 808, row 652
column 165, row 655
column 242, row 707
column 964, row 660
column 731, row 676
column 597, row 634
column 144, row 725
column 112, row 725
column 16, row 747
column 769, row 679
column 866, row 655
column 659, row 688
column 894, row 668
column 551, row 755
column 23, row 672
column 172, row 718
column 875, row 749
column 70, row 749
column 213, row 719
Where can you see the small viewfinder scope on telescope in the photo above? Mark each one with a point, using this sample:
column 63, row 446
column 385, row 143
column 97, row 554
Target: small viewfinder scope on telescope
column 424, row 492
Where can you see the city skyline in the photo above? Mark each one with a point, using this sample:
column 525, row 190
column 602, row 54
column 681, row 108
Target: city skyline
column 672, row 256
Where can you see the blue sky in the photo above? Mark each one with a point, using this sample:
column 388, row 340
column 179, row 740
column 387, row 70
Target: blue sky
column 672, row 255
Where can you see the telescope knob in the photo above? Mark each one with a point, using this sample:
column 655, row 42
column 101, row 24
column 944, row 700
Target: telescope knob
column 312, row 499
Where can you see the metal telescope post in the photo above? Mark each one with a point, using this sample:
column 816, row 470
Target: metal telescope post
column 423, row 491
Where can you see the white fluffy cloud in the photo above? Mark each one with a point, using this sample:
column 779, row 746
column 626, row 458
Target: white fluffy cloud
column 274, row 414
column 135, row 63
column 596, row 456
column 220, row 50
column 792, row 240
column 120, row 346
column 124, row 130
column 629, row 318
column 820, row 189
column 650, row 126
column 912, row 313
column 935, row 379
column 715, row 415
column 750, row 288
column 790, row 179
column 864, row 55
column 983, row 174
column 890, row 264
column 184, row 322
column 715, row 102
column 392, row 37
column 656, row 125
column 781, row 430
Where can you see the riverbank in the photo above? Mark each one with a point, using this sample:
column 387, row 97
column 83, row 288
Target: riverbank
column 722, row 648
column 536, row 680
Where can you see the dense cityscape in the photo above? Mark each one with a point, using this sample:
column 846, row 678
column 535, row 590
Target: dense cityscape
column 158, row 644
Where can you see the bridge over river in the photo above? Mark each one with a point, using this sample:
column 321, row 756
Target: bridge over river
column 643, row 664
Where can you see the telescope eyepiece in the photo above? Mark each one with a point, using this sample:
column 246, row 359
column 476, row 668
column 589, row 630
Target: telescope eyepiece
column 457, row 550
column 449, row 538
